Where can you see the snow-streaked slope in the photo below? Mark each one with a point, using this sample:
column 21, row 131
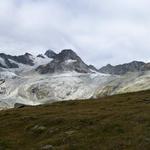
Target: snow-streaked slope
column 130, row 82
column 2, row 62
column 23, row 68
column 7, row 75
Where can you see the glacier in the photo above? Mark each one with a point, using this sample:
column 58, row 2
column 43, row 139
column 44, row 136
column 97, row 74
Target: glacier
column 34, row 88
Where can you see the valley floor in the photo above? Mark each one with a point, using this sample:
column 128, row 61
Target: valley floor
column 120, row 122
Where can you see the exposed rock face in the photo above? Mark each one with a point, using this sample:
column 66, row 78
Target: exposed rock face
column 134, row 66
column 19, row 105
column 40, row 56
column 66, row 60
column 146, row 67
column 25, row 59
column 2, row 81
column 93, row 68
column 7, row 60
column 50, row 54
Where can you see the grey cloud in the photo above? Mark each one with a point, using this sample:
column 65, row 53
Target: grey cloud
column 101, row 31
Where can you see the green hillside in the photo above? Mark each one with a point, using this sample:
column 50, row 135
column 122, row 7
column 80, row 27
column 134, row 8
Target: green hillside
column 120, row 122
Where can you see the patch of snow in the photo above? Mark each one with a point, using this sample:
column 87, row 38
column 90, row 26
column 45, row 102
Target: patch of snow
column 7, row 75
column 23, row 68
column 3, row 62
column 41, row 61
column 69, row 61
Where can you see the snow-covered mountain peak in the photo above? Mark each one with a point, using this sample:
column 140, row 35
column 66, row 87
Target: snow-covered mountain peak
column 66, row 60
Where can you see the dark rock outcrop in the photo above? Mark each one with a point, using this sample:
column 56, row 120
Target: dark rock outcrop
column 24, row 59
column 40, row 56
column 145, row 67
column 20, row 105
column 2, row 81
column 8, row 63
column 93, row 68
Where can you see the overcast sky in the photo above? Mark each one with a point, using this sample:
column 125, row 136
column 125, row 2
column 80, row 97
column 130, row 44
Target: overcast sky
column 100, row 31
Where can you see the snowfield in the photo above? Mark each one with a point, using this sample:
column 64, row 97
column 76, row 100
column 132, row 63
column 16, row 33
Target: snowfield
column 32, row 88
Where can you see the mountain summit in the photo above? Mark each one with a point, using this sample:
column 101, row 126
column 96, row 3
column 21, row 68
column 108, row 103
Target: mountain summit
column 50, row 54
column 66, row 60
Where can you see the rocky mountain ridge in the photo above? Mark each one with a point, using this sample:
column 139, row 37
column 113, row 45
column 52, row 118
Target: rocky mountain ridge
column 51, row 77
column 66, row 60
column 134, row 66
column 8, row 61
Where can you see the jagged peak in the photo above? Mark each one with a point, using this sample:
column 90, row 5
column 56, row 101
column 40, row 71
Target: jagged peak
column 50, row 53
column 66, row 54
column 67, row 51
column 66, row 60
column 93, row 67
column 49, row 50
column 109, row 65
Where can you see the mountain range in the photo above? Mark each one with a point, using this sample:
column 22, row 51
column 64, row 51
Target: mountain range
column 51, row 77
column 68, row 60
